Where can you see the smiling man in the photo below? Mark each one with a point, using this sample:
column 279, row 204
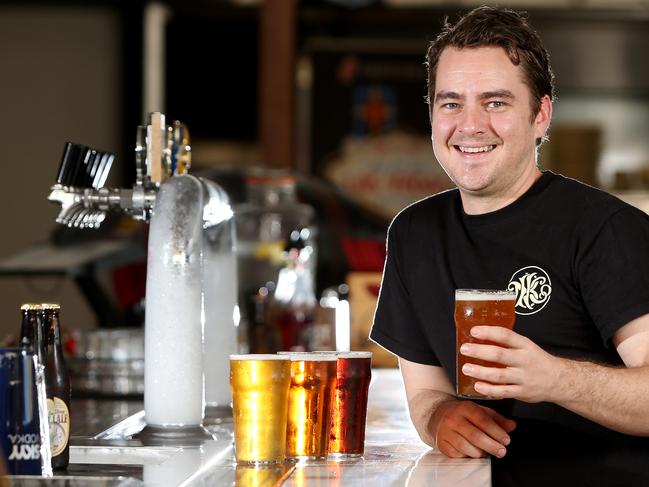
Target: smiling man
column 578, row 357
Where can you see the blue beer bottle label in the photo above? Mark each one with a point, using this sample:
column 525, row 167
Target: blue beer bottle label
column 20, row 438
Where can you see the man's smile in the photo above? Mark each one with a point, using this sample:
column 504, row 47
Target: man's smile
column 473, row 150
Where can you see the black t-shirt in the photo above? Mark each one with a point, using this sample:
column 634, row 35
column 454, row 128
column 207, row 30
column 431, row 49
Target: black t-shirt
column 577, row 257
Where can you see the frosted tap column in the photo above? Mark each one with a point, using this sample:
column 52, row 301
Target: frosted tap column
column 219, row 295
column 220, row 332
column 173, row 371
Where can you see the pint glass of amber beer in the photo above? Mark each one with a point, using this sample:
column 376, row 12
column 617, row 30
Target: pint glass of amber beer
column 478, row 307
column 260, row 385
column 349, row 409
column 313, row 376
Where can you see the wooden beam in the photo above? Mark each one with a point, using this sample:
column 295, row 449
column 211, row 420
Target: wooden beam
column 277, row 83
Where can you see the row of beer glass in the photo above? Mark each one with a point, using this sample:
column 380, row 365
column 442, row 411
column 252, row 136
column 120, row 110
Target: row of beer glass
column 299, row 405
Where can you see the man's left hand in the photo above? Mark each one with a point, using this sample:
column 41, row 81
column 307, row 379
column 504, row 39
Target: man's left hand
column 528, row 373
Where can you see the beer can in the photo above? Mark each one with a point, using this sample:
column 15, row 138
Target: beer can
column 20, row 415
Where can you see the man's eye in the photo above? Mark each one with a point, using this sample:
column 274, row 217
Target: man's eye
column 451, row 106
column 496, row 104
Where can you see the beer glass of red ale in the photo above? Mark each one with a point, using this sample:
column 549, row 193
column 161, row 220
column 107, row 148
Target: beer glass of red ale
column 349, row 406
column 482, row 307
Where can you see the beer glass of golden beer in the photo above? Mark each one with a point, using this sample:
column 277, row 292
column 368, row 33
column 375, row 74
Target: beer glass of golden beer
column 260, row 385
column 313, row 377
column 478, row 307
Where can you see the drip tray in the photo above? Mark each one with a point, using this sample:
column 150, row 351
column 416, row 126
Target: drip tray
column 74, row 481
column 121, row 455
column 124, row 455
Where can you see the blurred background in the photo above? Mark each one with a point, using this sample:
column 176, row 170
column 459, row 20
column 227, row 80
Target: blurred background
column 330, row 92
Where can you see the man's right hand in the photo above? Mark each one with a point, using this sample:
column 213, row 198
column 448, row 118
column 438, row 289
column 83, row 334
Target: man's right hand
column 456, row 428
column 466, row 429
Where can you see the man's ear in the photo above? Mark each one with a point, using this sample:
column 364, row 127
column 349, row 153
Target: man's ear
column 543, row 117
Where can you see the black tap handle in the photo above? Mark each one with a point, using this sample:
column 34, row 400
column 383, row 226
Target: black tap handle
column 84, row 175
column 78, row 169
column 103, row 169
column 84, row 167
column 91, row 170
column 69, row 160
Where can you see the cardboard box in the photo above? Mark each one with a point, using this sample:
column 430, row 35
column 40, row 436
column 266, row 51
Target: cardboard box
column 363, row 293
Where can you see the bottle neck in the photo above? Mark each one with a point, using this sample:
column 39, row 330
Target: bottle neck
column 53, row 330
column 26, row 332
column 39, row 335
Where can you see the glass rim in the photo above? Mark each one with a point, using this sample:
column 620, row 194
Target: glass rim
column 484, row 294
column 348, row 353
column 355, row 354
column 258, row 356
column 310, row 356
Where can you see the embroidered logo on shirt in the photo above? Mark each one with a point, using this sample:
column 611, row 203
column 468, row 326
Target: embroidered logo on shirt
column 533, row 288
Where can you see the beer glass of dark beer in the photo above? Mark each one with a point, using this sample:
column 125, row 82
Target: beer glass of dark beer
column 313, row 376
column 260, row 385
column 478, row 307
column 349, row 408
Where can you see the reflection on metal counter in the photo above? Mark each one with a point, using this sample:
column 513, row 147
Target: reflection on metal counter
column 106, row 362
column 191, row 268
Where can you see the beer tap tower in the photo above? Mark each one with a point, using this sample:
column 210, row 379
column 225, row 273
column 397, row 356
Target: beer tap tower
column 190, row 317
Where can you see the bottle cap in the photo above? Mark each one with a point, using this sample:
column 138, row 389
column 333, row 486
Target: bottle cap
column 51, row 306
column 31, row 307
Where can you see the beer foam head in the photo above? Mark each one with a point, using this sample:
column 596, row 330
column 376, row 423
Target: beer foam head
column 358, row 354
column 484, row 295
column 313, row 358
column 258, row 356
column 310, row 356
column 353, row 354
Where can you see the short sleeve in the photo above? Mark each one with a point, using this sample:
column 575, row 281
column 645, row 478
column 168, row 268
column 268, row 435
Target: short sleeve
column 396, row 326
column 613, row 271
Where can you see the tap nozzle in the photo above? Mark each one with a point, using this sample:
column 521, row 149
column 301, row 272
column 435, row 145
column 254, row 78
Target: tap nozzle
column 161, row 152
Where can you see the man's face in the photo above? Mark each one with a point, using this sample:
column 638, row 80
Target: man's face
column 482, row 131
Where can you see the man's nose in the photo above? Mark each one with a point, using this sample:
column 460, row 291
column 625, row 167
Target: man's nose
column 472, row 120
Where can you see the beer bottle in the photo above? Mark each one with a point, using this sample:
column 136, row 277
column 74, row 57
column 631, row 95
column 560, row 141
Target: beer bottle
column 32, row 333
column 57, row 386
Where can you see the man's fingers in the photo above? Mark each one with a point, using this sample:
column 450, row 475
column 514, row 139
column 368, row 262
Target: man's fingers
column 494, row 375
column 508, row 425
column 486, row 433
column 449, row 450
column 465, row 446
column 471, row 430
column 500, row 335
column 483, row 442
column 491, row 353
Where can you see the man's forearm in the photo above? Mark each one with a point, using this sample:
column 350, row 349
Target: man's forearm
column 617, row 398
column 423, row 406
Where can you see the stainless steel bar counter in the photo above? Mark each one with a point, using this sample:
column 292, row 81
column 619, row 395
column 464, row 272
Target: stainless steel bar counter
column 104, row 452
column 394, row 455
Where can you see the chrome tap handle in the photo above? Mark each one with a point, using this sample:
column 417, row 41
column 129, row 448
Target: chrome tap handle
column 161, row 151
column 180, row 149
column 140, row 155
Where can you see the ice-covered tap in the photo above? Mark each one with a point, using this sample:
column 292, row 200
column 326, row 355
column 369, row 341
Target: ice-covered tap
column 191, row 312
column 190, row 302
column 220, row 310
